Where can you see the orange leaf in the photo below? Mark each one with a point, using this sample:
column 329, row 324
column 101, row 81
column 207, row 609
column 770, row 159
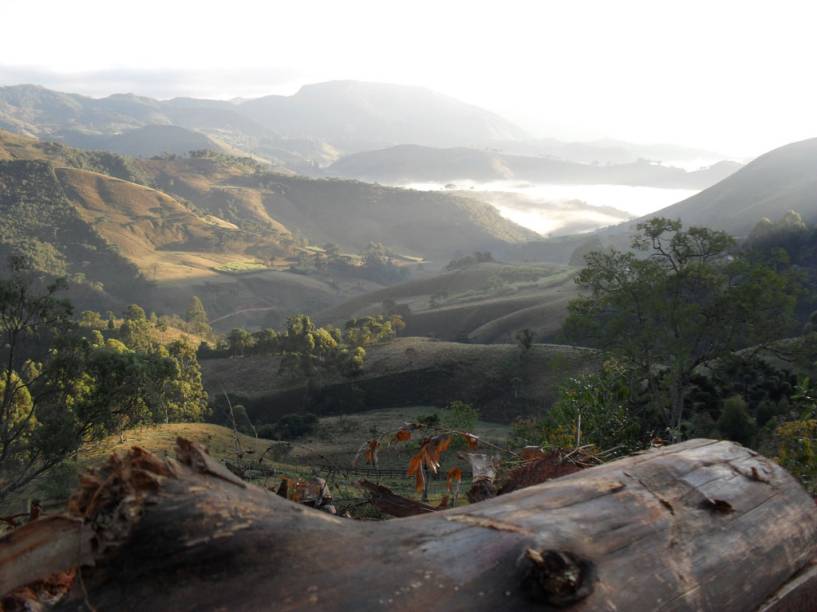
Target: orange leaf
column 443, row 442
column 420, row 481
column 402, row 435
column 471, row 439
column 454, row 474
column 414, row 464
column 371, row 452
column 532, row 453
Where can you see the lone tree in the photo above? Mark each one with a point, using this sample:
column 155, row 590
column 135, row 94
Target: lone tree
column 679, row 299
column 196, row 316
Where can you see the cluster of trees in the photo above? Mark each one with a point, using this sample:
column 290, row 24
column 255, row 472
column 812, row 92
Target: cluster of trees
column 679, row 300
column 376, row 263
column 470, row 260
column 64, row 382
column 306, row 349
column 689, row 322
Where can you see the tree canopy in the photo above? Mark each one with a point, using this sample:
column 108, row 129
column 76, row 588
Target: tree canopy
column 679, row 299
column 63, row 383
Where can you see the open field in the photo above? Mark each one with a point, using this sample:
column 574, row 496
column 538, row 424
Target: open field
column 241, row 267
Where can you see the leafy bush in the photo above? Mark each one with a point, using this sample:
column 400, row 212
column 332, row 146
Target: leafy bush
column 735, row 422
column 290, row 427
column 797, row 451
column 459, row 416
column 591, row 409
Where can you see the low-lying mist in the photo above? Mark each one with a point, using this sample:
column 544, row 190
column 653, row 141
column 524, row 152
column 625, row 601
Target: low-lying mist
column 553, row 210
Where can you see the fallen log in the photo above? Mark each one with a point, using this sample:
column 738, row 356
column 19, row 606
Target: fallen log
column 701, row 525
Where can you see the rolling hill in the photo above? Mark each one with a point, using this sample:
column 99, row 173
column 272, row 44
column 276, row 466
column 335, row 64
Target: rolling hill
column 143, row 141
column 498, row 378
column 484, row 303
column 780, row 180
column 412, row 163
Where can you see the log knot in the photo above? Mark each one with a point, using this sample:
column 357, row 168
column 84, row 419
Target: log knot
column 557, row 578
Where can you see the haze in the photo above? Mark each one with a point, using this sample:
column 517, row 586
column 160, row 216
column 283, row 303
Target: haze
column 735, row 77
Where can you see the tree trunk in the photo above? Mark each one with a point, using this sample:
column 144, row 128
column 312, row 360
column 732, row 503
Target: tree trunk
column 701, row 525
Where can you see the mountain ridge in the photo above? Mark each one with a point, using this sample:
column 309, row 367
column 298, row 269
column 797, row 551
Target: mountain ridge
column 414, row 163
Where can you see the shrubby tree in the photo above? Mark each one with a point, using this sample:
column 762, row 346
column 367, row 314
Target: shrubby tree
column 524, row 338
column 600, row 408
column 470, row 260
column 459, row 416
column 240, row 341
column 290, row 427
column 372, row 329
column 307, row 348
column 196, row 317
column 735, row 422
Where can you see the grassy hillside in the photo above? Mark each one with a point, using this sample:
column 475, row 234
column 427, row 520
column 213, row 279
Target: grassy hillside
column 483, row 303
column 227, row 229
column 276, row 206
column 39, row 220
column 783, row 179
column 353, row 214
column 499, row 380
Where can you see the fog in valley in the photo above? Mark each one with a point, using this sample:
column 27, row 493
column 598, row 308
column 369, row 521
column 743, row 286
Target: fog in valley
column 564, row 209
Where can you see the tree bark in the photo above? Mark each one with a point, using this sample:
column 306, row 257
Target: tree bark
column 701, row 525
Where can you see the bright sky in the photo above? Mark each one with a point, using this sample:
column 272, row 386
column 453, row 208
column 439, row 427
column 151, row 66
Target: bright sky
column 734, row 76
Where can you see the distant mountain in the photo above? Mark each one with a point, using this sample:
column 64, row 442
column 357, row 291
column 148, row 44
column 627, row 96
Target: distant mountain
column 411, row 163
column 780, row 180
column 608, row 151
column 304, row 130
column 113, row 124
column 357, row 116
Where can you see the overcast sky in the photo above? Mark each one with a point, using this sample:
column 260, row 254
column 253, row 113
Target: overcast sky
column 738, row 77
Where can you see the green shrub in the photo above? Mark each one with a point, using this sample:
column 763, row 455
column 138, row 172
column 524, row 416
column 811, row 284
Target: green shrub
column 735, row 422
column 459, row 416
column 290, row 427
column 797, row 451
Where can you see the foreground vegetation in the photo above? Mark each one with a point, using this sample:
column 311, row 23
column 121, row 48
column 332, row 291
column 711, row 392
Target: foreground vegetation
column 695, row 336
